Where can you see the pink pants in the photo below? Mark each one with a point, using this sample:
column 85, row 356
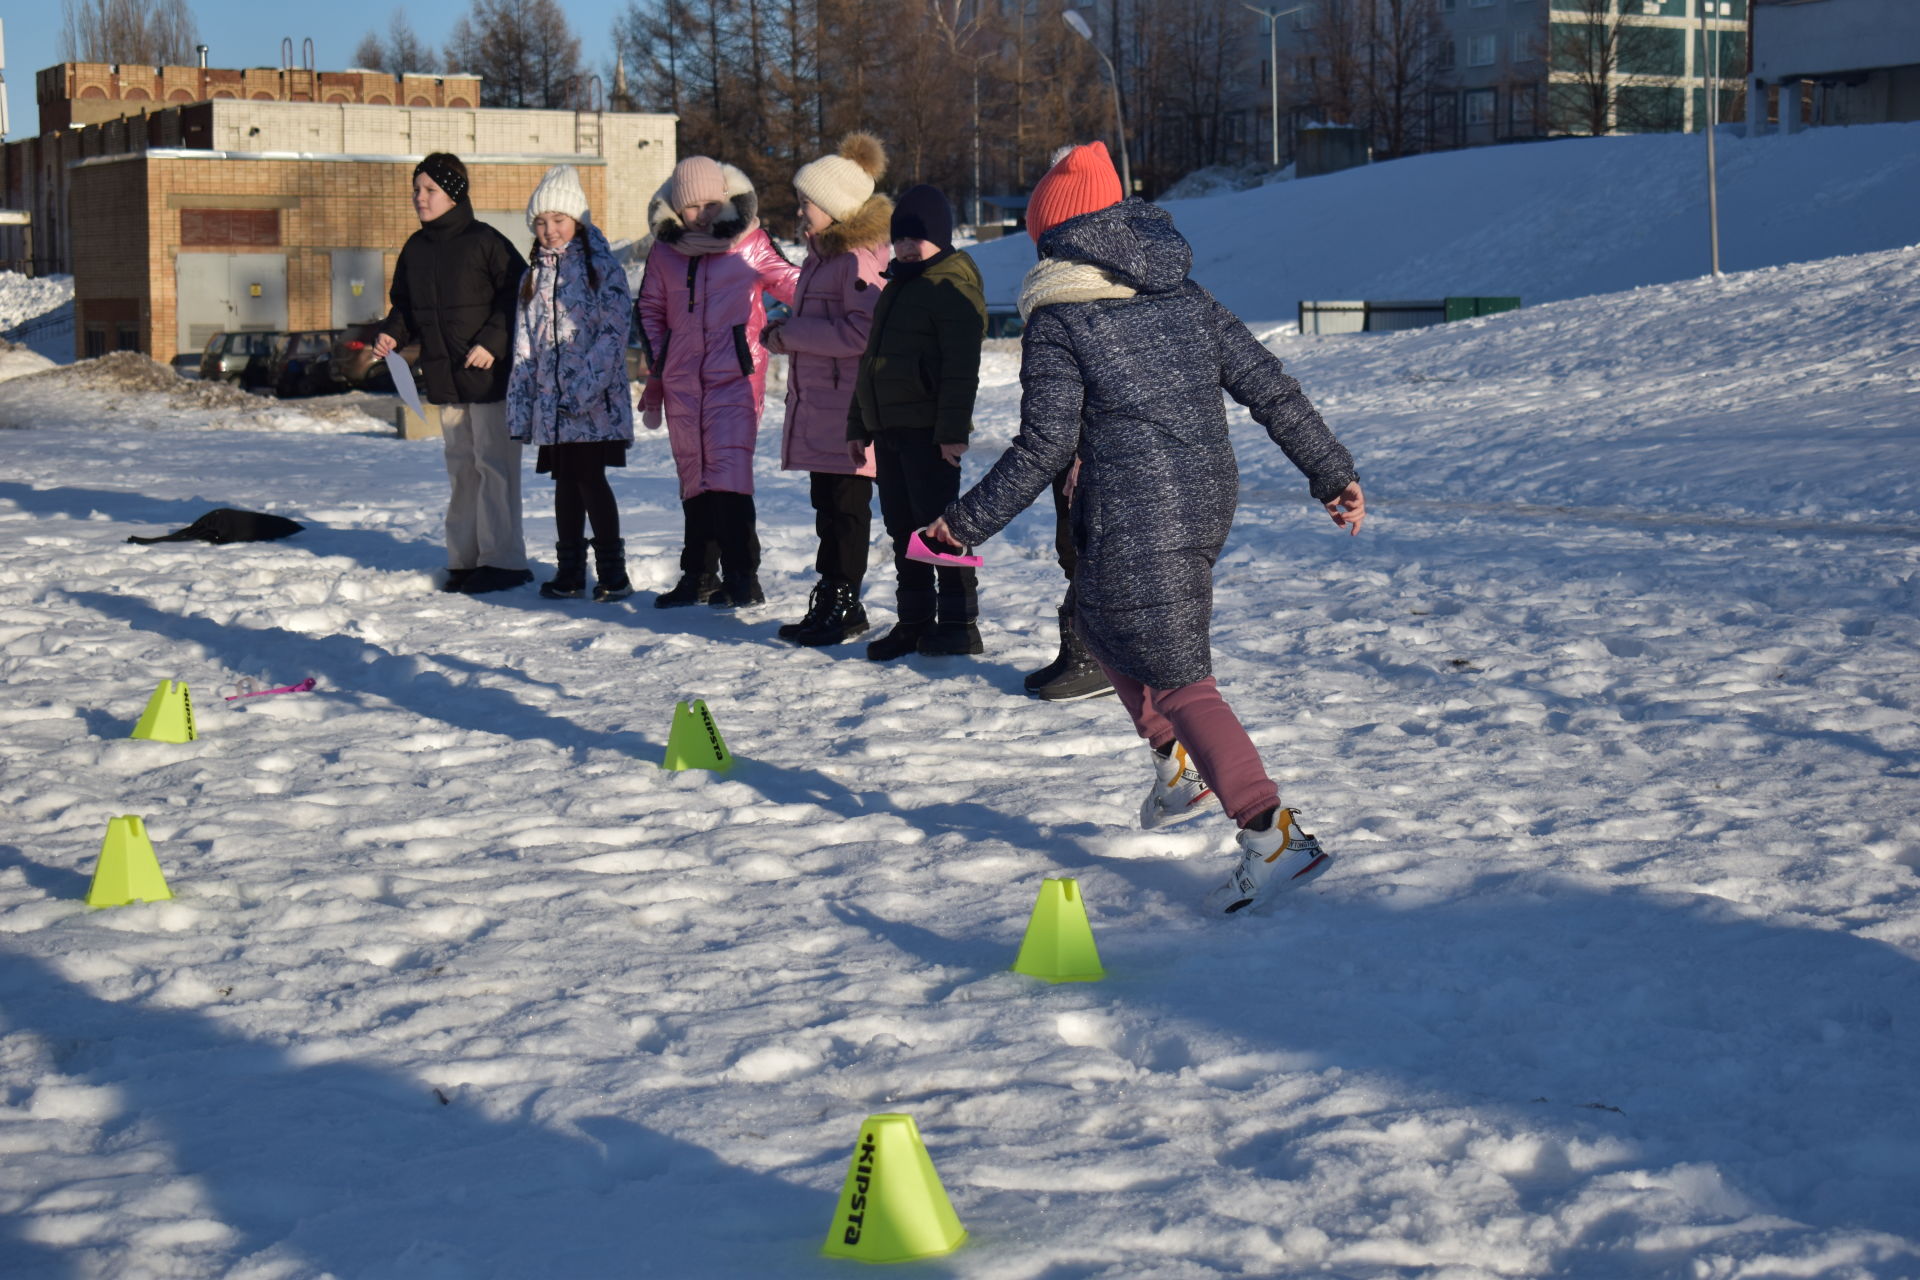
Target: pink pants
column 1200, row 719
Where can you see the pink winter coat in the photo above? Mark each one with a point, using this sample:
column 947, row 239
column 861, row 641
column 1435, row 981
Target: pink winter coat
column 840, row 282
column 702, row 315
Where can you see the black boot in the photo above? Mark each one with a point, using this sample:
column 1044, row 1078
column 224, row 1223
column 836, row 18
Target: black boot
column 840, row 618
column 570, row 583
column 738, row 592
column 954, row 632
column 694, row 588
column 903, row 639
column 818, row 602
column 610, row 570
column 1073, row 674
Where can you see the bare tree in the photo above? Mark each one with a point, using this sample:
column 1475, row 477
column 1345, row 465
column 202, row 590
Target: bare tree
column 402, row 50
column 523, row 51
column 1336, row 60
column 1403, row 70
column 1598, row 55
column 156, row 32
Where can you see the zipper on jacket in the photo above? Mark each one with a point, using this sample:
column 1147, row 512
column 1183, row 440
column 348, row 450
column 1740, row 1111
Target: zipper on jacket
column 693, row 266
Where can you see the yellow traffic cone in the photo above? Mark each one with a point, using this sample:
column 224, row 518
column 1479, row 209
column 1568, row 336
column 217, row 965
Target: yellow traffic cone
column 169, row 714
column 694, row 741
column 128, row 870
column 892, row 1207
column 1059, row 942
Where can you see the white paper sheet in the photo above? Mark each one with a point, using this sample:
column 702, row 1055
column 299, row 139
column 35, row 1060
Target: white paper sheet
column 403, row 383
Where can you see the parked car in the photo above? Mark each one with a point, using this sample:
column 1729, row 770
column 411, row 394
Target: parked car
column 302, row 363
column 1004, row 322
column 353, row 364
column 186, row 364
column 240, row 358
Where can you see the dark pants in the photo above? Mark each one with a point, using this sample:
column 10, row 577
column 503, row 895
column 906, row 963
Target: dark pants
column 916, row 485
column 843, row 517
column 581, row 494
column 721, row 537
column 1062, row 526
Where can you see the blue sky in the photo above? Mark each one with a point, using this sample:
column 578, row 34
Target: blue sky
column 248, row 34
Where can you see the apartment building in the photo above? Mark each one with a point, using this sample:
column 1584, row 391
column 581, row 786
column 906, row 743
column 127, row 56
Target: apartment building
column 1834, row 62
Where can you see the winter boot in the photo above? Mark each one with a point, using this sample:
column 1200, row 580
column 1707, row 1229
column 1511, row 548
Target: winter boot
column 738, row 592
column 952, row 639
column 1274, row 855
column 610, row 580
column 955, row 608
column 818, row 602
column 693, row 588
column 1074, row 674
column 488, row 578
column 840, row 615
column 570, row 582
column 903, row 639
column 1179, row 792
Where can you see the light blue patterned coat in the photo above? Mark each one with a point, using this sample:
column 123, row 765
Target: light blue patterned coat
column 569, row 380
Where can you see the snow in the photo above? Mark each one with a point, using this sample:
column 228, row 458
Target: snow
column 37, row 312
column 1544, row 221
column 1609, row 715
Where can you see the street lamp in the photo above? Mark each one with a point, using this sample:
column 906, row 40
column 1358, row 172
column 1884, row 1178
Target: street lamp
column 1273, row 17
column 1709, row 83
column 1079, row 24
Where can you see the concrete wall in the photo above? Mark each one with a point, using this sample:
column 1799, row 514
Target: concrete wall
column 1821, row 37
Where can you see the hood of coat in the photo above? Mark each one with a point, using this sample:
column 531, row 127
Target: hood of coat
column 664, row 220
column 1133, row 242
column 867, row 227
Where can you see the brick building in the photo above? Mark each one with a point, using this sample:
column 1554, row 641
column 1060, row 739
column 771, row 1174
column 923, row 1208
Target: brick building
column 178, row 220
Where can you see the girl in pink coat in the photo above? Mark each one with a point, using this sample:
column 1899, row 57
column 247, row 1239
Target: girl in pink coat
column 845, row 225
column 700, row 315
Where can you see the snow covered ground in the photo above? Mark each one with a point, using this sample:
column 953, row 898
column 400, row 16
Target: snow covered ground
column 1609, row 715
column 37, row 312
column 1545, row 221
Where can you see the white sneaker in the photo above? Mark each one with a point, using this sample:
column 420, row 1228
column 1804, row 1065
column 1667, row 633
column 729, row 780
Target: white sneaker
column 1281, row 857
column 1179, row 792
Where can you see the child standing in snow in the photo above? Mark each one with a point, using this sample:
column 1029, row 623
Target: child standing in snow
column 846, row 229
column 701, row 316
column 1122, row 364
column 568, row 389
column 453, row 293
column 913, row 404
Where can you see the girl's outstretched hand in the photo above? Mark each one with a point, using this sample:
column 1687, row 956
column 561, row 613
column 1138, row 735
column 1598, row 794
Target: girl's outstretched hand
column 1349, row 509
column 479, row 358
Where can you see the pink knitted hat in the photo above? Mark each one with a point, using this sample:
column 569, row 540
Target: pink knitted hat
column 697, row 180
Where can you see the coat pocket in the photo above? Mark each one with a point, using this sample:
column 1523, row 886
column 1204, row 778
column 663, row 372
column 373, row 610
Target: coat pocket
column 742, row 350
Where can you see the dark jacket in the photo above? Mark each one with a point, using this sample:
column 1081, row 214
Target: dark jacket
column 1132, row 387
column 454, row 289
column 922, row 363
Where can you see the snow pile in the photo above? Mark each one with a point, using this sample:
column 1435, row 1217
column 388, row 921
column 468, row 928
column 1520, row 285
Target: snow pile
column 1609, row 714
column 130, row 387
column 1543, row 221
column 37, row 311
column 1222, row 179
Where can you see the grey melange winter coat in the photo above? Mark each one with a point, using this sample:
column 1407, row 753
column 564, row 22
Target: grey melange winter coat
column 1132, row 387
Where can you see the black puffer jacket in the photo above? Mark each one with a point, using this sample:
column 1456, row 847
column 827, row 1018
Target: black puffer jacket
column 453, row 290
column 1132, row 386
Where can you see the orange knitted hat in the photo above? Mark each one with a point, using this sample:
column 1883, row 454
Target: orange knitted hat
column 1079, row 182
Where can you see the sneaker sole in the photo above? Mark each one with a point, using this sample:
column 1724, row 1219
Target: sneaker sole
column 1151, row 816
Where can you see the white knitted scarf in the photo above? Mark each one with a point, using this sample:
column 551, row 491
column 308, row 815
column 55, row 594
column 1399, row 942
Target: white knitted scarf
column 1057, row 280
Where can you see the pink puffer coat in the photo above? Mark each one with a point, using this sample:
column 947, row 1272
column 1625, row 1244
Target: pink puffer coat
column 701, row 313
column 840, row 282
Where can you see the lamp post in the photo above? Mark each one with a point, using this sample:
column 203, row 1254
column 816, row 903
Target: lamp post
column 1079, row 24
column 1708, row 83
column 1273, row 17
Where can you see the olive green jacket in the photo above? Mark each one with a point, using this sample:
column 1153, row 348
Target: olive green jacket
column 922, row 363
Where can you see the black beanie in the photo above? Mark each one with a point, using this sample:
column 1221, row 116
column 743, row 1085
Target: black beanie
column 923, row 214
column 447, row 173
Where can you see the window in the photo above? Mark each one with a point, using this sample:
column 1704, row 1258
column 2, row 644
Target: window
column 1449, row 58
column 127, row 337
column 1523, row 102
column 96, row 341
column 1523, row 45
column 1480, row 107
column 1482, row 51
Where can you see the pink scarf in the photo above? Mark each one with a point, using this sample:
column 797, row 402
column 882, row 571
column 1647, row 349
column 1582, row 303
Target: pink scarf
column 698, row 243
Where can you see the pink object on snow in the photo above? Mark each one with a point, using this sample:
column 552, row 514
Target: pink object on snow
column 305, row 686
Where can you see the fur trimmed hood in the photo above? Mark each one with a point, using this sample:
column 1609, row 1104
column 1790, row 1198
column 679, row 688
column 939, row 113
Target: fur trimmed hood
column 664, row 220
column 869, row 225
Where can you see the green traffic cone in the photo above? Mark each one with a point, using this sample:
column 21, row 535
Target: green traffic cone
column 892, row 1207
column 1059, row 942
column 694, row 741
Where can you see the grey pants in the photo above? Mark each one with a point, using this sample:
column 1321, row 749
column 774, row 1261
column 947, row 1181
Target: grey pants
column 483, row 512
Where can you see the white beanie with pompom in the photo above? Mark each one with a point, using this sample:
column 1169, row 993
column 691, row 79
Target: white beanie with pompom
column 559, row 192
column 840, row 184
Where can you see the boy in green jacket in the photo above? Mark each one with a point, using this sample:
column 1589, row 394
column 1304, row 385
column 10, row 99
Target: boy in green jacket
column 913, row 400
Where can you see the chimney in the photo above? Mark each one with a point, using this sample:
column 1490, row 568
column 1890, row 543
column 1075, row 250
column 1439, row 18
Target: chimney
column 202, row 51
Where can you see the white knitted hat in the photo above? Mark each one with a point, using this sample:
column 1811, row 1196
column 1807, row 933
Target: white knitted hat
column 841, row 183
column 559, row 192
